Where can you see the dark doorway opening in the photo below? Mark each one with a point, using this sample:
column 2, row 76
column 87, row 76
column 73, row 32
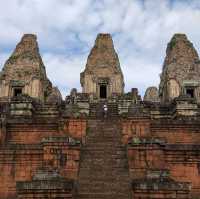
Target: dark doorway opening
column 17, row 92
column 190, row 92
column 103, row 92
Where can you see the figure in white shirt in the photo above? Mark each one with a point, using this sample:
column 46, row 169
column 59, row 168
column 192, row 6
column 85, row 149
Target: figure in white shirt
column 105, row 110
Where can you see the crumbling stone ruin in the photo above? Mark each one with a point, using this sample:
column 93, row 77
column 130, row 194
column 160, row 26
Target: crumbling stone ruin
column 141, row 148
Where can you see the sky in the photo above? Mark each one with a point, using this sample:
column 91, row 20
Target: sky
column 66, row 31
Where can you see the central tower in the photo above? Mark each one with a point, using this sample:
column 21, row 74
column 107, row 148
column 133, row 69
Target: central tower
column 102, row 77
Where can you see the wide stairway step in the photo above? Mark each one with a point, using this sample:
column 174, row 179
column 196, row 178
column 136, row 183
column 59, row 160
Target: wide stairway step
column 104, row 172
column 96, row 109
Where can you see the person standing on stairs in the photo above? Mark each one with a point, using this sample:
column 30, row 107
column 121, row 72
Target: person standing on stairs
column 105, row 110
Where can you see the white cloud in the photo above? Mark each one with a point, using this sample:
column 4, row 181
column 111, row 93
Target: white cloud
column 67, row 29
column 64, row 71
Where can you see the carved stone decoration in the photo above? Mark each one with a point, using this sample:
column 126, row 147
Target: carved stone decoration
column 173, row 89
column 102, row 73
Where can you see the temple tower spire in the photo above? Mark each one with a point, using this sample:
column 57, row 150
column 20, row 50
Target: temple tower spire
column 102, row 77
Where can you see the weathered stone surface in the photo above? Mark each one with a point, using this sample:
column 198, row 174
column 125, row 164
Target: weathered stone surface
column 46, row 184
column 76, row 128
column 180, row 50
column 102, row 68
column 31, row 147
column 55, row 96
column 24, row 72
column 169, row 145
column 185, row 106
column 151, row 95
column 168, row 188
column 181, row 69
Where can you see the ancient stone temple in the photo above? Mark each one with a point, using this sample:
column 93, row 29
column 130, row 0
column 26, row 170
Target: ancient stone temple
column 24, row 72
column 102, row 77
column 73, row 149
column 181, row 70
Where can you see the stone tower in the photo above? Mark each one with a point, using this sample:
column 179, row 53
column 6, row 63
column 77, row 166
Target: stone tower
column 181, row 70
column 102, row 77
column 151, row 94
column 24, row 73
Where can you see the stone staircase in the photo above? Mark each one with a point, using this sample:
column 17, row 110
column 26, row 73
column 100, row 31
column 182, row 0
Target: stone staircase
column 93, row 110
column 96, row 109
column 112, row 109
column 104, row 166
column 46, row 111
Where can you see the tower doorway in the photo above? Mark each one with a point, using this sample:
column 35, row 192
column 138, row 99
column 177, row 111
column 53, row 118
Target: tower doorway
column 190, row 92
column 17, row 92
column 103, row 91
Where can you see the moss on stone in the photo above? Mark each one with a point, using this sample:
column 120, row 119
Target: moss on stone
column 172, row 44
